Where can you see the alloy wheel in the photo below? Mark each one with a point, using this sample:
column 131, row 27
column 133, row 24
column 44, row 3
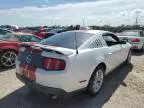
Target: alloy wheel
column 8, row 58
column 98, row 80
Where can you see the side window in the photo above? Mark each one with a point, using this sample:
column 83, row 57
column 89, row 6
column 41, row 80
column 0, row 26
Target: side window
column 35, row 39
column 111, row 39
column 23, row 38
column 29, row 38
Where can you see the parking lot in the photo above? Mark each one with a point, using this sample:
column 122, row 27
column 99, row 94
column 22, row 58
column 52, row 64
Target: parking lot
column 123, row 88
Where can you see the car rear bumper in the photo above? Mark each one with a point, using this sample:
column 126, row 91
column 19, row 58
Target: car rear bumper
column 41, row 88
column 54, row 79
column 136, row 46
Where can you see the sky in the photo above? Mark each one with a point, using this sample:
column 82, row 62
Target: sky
column 71, row 12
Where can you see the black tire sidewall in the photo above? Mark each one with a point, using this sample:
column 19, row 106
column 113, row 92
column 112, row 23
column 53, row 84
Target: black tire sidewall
column 89, row 87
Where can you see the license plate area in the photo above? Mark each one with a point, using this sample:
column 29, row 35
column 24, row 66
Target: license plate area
column 28, row 73
column 24, row 73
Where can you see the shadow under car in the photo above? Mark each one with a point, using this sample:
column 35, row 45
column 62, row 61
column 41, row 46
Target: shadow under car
column 22, row 98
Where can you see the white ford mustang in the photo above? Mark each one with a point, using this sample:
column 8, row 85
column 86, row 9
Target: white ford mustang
column 71, row 61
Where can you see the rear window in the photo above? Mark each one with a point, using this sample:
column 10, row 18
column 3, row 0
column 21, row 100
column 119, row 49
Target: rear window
column 67, row 39
column 131, row 34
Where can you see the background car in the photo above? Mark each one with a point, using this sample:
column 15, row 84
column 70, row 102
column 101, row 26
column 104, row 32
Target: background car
column 134, row 37
column 85, row 28
column 71, row 61
column 10, row 44
column 54, row 32
column 4, row 31
column 42, row 32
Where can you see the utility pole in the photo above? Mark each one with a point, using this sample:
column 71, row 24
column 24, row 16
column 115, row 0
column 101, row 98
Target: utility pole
column 136, row 22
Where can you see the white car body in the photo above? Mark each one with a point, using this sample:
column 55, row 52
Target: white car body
column 129, row 38
column 79, row 67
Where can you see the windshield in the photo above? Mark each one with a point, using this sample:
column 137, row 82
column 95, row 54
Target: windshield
column 5, row 37
column 131, row 34
column 9, row 37
column 67, row 40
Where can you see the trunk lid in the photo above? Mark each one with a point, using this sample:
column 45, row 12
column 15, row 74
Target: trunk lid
column 130, row 38
column 34, row 54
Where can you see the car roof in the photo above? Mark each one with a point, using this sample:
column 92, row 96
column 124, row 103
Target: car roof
column 91, row 31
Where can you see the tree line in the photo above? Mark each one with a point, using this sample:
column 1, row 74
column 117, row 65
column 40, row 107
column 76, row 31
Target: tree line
column 118, row 29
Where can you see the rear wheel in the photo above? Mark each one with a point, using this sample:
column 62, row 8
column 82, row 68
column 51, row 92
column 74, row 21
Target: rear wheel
column 7, row 58
column 96, row 81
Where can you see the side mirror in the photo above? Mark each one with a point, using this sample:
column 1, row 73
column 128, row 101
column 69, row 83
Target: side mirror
column 59, row 31
column 122, row 42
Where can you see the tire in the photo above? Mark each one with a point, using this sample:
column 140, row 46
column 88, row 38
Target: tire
column 7, row 58
column 96, row 81
column 128, row 58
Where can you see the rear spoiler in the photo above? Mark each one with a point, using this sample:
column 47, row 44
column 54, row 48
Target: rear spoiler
column 41, row 48
column 57, row 50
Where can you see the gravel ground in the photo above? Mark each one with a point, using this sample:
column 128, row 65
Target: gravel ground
column 123, row 88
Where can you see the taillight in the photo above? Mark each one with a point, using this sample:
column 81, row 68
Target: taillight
column 53, row 64
column 136, row 40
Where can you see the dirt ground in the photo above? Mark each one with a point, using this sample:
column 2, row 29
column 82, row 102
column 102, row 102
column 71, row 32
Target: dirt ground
column 123, row 88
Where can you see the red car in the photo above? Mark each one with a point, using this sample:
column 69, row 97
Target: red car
column 42, row 33
column 10, row 44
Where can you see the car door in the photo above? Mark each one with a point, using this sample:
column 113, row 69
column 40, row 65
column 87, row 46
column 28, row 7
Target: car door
column 114, row 51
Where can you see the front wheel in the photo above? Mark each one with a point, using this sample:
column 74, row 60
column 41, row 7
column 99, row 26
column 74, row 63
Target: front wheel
column 128, row 58
column 7, row 58
column 96, row 81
